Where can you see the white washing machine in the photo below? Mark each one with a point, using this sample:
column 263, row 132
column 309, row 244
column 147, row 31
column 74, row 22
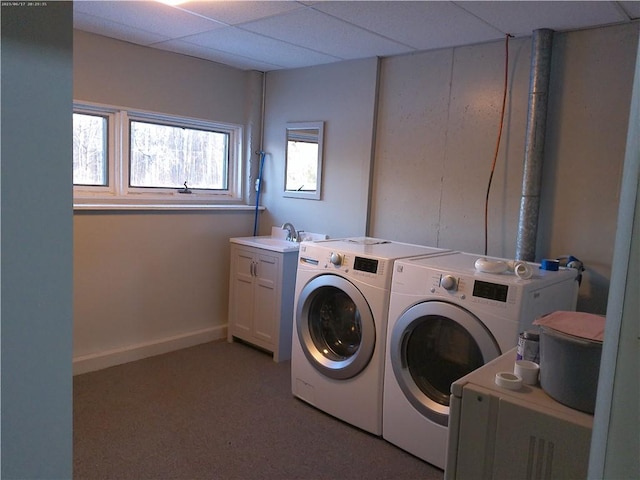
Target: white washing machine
column 339, row 330
column 445, row 320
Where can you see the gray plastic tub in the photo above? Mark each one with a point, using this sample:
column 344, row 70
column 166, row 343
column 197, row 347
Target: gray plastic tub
column 569, row 368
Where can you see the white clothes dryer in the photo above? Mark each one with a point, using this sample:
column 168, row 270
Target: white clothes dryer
column 447, row 319
column 340, row 325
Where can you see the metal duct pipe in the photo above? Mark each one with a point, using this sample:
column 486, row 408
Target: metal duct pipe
column 534, row 144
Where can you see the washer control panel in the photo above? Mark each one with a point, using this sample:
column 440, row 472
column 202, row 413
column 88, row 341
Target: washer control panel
column 366, row 268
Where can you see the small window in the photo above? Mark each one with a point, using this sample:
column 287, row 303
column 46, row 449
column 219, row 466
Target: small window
column 90, row 152
column 167, row 156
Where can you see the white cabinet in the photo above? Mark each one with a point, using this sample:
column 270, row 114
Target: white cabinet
column 495, row 433
column 261, row 293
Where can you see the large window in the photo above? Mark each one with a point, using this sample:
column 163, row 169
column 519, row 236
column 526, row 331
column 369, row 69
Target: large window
column 164, row 156
column 131, row 157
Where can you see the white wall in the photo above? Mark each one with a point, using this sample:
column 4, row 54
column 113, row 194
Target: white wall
column 36, row 242
column 114, row 72
column 438, row 125
column 589, row 106
column 343, row 95
column 146, row 282
column 437, row 129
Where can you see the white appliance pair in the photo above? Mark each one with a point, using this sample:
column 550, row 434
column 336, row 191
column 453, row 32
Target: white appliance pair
column 340, row 325
column 382, row 329
column 446, row 319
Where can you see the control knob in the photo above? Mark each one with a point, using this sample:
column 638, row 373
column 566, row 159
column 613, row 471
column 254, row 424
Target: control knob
column 449, row 283
column 336, row 259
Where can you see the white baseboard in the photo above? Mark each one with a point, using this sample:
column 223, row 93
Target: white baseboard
column 130, row 353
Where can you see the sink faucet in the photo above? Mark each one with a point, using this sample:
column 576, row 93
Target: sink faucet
column 292, row 235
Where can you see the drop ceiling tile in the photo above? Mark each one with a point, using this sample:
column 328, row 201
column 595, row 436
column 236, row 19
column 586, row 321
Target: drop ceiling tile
column 152, row 17
column 422, row 25
column 100, row 26
column 522, row 18
column 232, row 60
column 323, row 33
column 236, row 12
column 234, row 41
column 304, row 33
column 632, row 9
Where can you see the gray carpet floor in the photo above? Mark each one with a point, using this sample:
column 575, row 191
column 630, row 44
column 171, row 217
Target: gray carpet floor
column 218, row 411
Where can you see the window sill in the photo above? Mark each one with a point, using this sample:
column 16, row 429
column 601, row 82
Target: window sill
column 100, row 206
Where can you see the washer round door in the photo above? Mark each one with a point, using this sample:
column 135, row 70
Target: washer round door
column 432, row 345
column 335, row 327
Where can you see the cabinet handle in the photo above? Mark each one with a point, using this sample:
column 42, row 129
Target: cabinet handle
column 255, row 269
column 252, row 268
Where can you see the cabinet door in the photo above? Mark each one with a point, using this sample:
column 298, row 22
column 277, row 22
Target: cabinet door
column 265, row 308
column 534, row 443
column 242, row 299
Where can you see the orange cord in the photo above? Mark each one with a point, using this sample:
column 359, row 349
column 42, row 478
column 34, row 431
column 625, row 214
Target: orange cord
column 495, row 157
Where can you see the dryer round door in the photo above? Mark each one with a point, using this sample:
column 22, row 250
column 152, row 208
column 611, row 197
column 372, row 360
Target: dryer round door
column 335, row 327
column 432, row 345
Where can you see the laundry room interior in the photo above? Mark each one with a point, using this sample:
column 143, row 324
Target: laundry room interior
column 408, row 146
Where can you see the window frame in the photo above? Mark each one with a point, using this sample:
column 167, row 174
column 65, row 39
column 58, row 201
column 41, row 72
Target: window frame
column 108, row 190
column 119, row 194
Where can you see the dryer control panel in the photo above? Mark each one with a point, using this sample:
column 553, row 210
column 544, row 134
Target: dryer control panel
column 468, row 288
column 454, row 278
